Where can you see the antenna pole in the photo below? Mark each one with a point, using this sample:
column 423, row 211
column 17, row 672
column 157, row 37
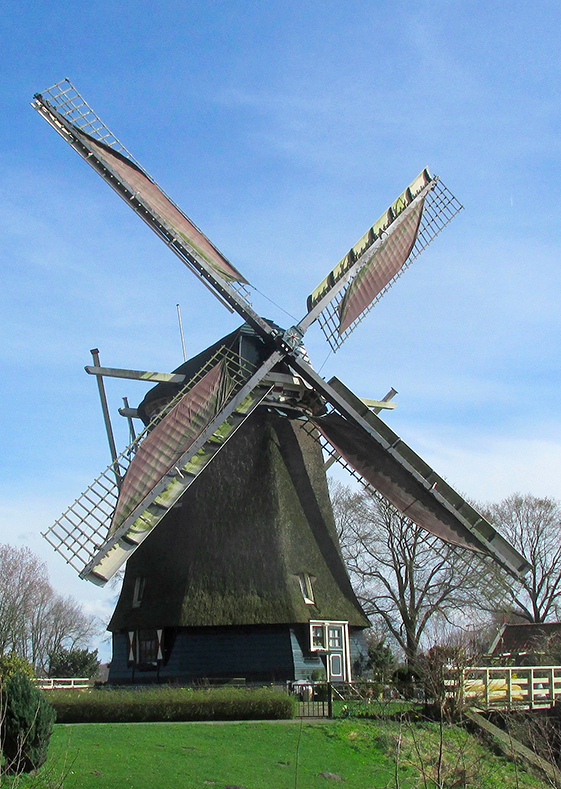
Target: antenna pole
column 181, row 332
column 109, row 430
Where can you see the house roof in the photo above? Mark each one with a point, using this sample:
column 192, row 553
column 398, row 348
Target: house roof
column 524, row 638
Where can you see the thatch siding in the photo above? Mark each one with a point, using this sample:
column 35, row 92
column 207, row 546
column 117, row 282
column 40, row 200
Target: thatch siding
column 231, row 553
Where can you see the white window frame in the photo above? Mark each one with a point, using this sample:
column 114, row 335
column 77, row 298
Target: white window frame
column 138, row 592
column 305, row 580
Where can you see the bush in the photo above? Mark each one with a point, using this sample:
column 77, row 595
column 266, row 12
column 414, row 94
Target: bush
column 27, row 724
column 12, row 663
column 170, row 704
column 73, row 663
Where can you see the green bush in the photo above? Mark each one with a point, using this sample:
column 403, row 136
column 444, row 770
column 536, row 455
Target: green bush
column 73, row 663
column 170, row 704
column 12, row 663
column 27, row 724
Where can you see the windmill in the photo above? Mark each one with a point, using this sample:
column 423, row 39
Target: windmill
column 220, row 505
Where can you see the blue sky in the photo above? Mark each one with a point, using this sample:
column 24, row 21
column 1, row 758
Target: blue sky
column 284, row 130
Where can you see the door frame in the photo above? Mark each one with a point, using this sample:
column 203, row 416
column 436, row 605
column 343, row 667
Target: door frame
column 319, row 642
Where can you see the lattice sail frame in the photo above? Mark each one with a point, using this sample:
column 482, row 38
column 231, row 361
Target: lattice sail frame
column 439, row 209
column 491, row 542
column 62, row 104
column 71, row 105
column 80, row 532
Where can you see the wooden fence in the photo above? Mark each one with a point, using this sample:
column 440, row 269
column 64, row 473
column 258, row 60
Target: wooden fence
column 55, row 683
column 509, row 686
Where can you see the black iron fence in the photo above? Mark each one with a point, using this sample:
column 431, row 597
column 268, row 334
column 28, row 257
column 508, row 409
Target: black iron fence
column 332, row 699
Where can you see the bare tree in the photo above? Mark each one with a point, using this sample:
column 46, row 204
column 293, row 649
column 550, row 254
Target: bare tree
column 34, row 619
column 403, row 575
column 533, row 526
column 21, row 575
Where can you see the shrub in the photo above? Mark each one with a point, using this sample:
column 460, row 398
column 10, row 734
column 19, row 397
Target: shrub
column 12, row 663
column 73, row 663
column 27, row 724
column 170, row 704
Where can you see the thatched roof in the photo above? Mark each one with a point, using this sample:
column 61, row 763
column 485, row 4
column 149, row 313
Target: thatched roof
column 526, row 638
column 231, row 553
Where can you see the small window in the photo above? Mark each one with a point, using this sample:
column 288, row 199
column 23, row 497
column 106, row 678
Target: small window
column 335, row 638
column 139, row 584
column 318, row 636
column 306, row 588
column 147, row 646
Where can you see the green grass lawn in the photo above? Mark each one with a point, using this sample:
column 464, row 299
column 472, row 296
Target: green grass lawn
column 264, row 755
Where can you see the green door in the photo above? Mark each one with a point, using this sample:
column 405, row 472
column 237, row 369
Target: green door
column 336, row 653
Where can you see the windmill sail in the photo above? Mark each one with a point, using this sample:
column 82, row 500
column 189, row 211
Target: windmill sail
column 170, row 438
column 395, row 471
column 105, row 525
column 69, row 114
column 379, row 258
column 138, row 183
column 101, row 529
column 382, row 269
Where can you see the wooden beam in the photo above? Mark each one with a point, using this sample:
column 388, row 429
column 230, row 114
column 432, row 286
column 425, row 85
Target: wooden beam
column 137, row 375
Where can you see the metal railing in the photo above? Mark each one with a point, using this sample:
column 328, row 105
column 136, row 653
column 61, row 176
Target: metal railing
column 313, row 699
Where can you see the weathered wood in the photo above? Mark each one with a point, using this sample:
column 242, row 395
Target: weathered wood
column 512, row 747
column 136, row 375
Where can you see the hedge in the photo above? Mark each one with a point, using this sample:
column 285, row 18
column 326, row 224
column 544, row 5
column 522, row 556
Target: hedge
column 169, row 704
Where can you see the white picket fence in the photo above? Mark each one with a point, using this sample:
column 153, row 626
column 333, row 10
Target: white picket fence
column 509, row 686
column 54, row 683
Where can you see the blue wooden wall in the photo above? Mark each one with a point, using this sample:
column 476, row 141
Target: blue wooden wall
column 270, row 653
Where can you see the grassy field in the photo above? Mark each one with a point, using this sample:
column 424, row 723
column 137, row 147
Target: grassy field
column 282, row 755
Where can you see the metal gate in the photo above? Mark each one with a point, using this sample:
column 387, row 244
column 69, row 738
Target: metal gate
column 314, row 700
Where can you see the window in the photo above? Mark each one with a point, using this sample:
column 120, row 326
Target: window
column 328, row 635
column 306, row 587
column 318, row 637
column 336, row 638
column 139, row 584
column 147, row 646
